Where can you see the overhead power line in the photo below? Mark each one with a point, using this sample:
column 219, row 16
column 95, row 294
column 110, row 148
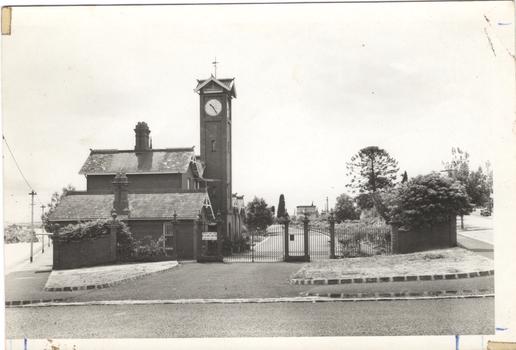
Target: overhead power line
column 18, row 167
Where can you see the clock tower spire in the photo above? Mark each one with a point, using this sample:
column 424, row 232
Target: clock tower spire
column 215, row 67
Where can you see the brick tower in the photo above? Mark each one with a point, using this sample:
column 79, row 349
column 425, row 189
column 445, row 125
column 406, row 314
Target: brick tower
column 215, row 97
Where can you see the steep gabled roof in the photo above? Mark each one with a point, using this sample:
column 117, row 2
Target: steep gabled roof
column 145, row 206
column 169, row 160
column 226, row 84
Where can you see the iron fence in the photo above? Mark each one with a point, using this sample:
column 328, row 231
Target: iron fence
column 320, row 240
column 356, row 239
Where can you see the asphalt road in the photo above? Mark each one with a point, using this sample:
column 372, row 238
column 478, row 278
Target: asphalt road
column 235, row 280
column 384, row 318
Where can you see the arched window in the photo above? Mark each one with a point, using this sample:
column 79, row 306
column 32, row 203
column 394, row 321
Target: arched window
column 213, row 145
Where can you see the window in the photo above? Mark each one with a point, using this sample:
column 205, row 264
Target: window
column 213, row 145
column 188, row 183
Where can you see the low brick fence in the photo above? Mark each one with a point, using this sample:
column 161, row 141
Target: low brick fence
column 75, row 254
column 442, row 235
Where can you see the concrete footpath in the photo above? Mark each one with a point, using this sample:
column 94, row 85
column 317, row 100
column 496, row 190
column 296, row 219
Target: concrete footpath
column 477, row 246
column 25, row 281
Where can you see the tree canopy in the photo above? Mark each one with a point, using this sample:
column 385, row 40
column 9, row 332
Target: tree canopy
column 478, row 187
column 478, row 183
column 371, row 169
column 258, row 216
column 54, row 202
column 345, row 208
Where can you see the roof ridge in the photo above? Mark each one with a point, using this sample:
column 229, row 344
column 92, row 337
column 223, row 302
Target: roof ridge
column 114, row 150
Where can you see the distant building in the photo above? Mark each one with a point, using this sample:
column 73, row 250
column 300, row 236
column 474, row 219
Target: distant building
column 310, row 210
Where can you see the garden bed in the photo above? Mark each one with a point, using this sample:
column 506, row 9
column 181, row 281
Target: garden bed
column 103, row 276
column 442, row 261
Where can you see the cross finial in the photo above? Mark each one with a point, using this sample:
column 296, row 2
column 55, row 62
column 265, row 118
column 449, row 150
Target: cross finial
column 215, row 62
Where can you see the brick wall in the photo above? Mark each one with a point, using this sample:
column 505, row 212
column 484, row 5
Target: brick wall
column 71, row 255
column 427, row 238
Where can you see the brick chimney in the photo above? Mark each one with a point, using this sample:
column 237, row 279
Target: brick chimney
column 142, row 132
column 120, row 189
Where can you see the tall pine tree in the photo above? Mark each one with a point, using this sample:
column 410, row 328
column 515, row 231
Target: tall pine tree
column 281, row 206
column 371, row 169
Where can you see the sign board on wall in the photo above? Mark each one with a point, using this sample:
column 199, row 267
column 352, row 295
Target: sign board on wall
column 209, row 236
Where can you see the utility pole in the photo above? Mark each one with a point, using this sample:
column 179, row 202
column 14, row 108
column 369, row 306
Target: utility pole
column 42, row 230
column 32, row 194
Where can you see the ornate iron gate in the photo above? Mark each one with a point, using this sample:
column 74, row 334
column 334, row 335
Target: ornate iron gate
column 257, row 246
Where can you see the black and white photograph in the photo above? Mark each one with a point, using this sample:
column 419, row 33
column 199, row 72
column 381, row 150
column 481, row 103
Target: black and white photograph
column 257, row 170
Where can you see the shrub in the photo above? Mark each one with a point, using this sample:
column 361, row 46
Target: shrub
column 150, row 249
column 359, row 239
column 241, row 245
column 126, row 244
column 227, row 247
column 82, row 231
column 426, row 200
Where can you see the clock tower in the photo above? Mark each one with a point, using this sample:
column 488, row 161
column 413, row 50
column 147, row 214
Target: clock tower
column 215, row 96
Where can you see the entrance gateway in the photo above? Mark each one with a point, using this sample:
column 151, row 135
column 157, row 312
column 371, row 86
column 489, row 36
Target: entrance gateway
column 285, row 241
column 307, row 241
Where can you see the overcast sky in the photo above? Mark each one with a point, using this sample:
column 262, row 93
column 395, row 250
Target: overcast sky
column 315, row 84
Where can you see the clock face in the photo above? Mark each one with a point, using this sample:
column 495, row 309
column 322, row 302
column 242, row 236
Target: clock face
column 213, row 107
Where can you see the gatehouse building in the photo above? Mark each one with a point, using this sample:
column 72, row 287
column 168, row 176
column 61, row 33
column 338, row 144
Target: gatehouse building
column 150, row 187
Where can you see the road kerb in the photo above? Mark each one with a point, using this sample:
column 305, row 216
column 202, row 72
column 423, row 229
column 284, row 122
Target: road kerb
column 32, row 301
column 433, row 293
column 308, row 299
column 382, row 279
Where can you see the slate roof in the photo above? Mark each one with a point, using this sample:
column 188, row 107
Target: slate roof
column 171, row 160
column 158, row 206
